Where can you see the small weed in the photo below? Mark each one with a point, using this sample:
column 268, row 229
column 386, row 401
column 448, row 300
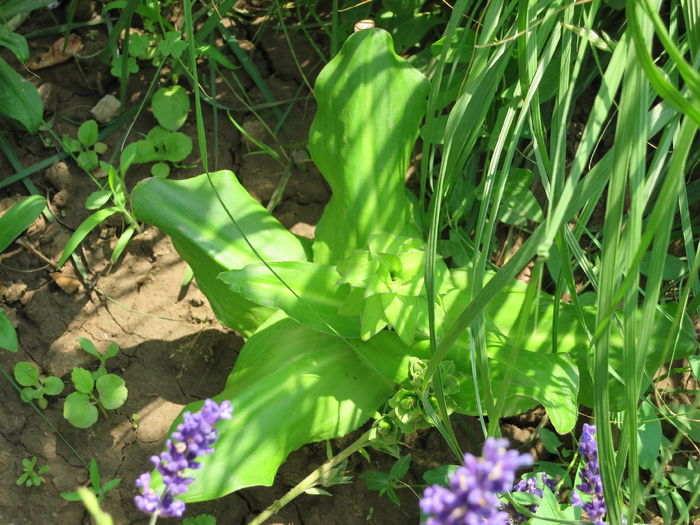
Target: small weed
column 29, row 477
column 35, row 385
column 96, row 486
column 94, row 389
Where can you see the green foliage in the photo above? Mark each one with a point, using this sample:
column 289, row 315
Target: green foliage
column 36, row 386
column 96, row 487
column 19, row 99
column 86, row 147
column 388, row 482
column 29, row 477
column 350, row 319
column 12, row 223
column 94, row 390
column 163, row 144
column 170, row 107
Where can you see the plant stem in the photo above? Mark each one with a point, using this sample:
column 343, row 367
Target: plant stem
column 313, row 479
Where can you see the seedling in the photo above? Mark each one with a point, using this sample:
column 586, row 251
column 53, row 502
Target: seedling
column 111, row 351
column 387, row 482
column 96, row 486
column 86, row 146
column 35, row 385
column 94, row 389
column 29, row 478
column 163, row 144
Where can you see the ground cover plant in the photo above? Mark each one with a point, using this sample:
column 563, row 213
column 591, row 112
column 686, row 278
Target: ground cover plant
column 511, row 236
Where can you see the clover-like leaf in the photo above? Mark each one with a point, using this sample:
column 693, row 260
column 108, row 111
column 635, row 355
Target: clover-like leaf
column 82, row 379
column 112, row 391
column 27, row 374
column 79, row 411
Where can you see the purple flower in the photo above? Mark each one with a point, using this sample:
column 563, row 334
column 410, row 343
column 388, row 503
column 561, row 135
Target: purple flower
column 193, row 438
column 472, row 498
column 530, row 486
column 591, row 481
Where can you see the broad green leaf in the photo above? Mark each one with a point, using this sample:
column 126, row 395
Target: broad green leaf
column 112, row 391
column 370, row 105
column 170, row 106
column 19, row 99
column 26, row 373
column 8, row 335
column 290, row 386
column 519, row 204
column 551, row 380
column 440, row 475
column 85, row 227
column 14, row 42
column 53, row 386
column 177, row 146
column 82, row 380
column 211, row 242
column 550, row 441
column 18, row 218
column 79, row 411
column 687, row 479
column 648, row 436
column 550, row 510
column 87, row 133
column 314, row 298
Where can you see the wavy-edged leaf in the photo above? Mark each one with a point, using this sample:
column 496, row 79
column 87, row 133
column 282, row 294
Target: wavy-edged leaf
column 370, row 105
column 211, row 243
column 293, row 385
column 18, row 218
column 19, row 99
column 314, row 298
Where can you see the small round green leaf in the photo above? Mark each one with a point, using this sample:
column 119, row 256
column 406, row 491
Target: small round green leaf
column 27, row 374
column 42, row 403
column 82, row 379
column 53, row 386
column 79, row 411
column 27, row 394
column 160, row 170
column 112, row 391
column 177, row 146
column 170, row 106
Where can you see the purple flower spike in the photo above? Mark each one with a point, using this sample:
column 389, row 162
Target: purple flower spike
column 472, row 498
column 530, row 486
column 193, row 438
column 591, row 481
